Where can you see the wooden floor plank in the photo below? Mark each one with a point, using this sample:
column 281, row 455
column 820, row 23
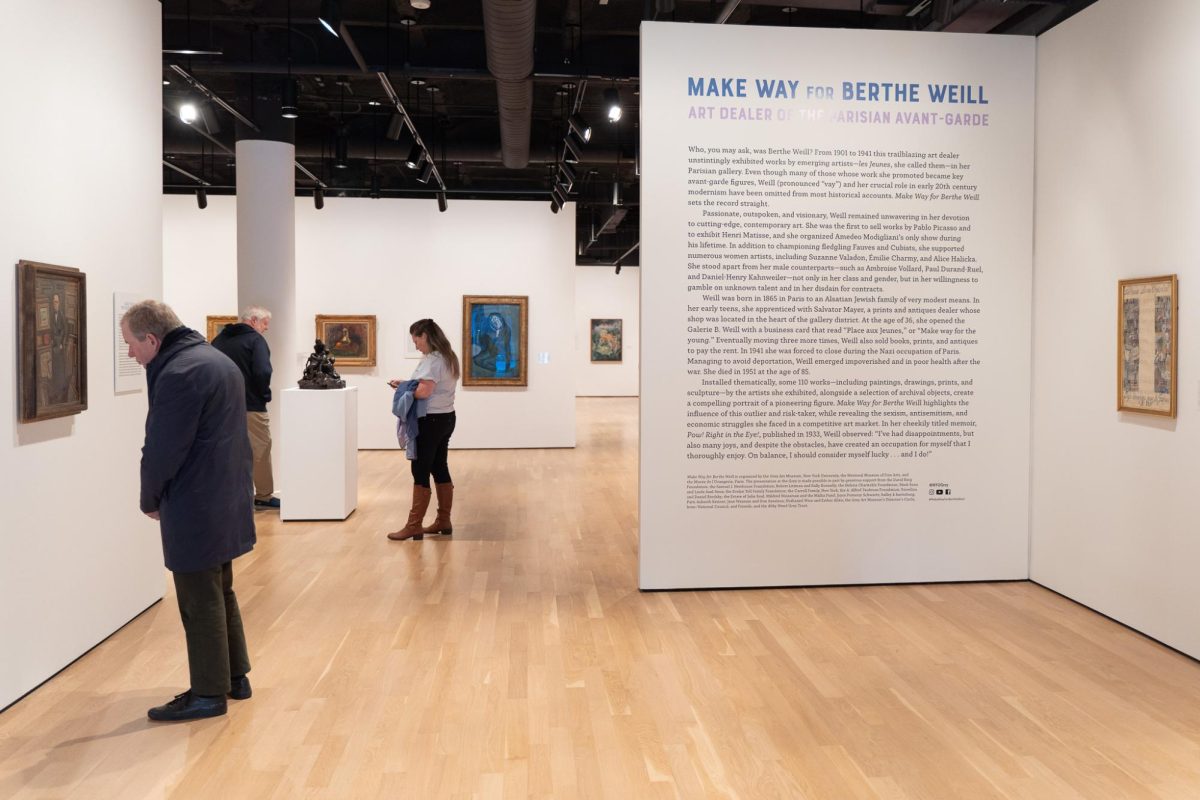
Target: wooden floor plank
column 518, row 659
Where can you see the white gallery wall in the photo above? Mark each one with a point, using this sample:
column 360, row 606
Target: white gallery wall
column 1115, row 513
column 402, row 260
column 77, row 557
column 838, row 387
column 600, row 293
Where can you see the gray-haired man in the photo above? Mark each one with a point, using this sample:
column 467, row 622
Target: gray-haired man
column 243, row 342
column 196, row 483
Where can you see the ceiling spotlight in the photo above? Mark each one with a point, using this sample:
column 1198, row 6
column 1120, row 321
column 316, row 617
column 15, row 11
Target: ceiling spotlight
column 341, row 151
column 319, row 198
column 571, row 151
column 288, row 108
column 616, row 193
column 416, row 157
column 580, row 128
column 188, row 113
column 559, row 194
column 426, row 172
column 442, row 205
column 202, row 199
column 554, row 206
column 331, row 16
column 166, row 82
column 618, row 267
column 612, row 102
column 372, row 102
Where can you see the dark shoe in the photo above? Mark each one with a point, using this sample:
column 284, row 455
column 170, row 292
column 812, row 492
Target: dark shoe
column 240, row 688
column 188, row 706
column 271, row 503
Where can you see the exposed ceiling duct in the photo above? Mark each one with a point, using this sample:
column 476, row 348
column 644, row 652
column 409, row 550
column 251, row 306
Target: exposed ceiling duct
column 508, row 29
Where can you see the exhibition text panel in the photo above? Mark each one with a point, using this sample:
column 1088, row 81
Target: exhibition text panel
column 840, row 270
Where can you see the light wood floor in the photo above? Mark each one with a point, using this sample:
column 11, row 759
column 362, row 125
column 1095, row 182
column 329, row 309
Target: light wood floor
column 519, row 660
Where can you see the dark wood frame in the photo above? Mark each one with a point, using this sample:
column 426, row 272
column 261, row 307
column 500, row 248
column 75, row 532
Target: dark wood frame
column 592, row 330
column 28, row 273
column 1168, row 287
column 468, row 365
column 360, row 319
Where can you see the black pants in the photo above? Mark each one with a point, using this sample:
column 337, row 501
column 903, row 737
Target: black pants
column 212, row 624
column 433, row 445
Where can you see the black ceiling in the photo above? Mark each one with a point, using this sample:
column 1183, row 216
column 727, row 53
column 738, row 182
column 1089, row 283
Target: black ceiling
column 438, row 62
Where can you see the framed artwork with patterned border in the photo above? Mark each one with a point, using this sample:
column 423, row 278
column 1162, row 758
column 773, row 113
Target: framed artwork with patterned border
column 1147, row 344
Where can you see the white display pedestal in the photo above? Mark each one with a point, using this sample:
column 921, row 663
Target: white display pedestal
column 319, row 453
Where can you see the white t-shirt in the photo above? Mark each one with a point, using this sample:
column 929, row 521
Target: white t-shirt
column 434, row 368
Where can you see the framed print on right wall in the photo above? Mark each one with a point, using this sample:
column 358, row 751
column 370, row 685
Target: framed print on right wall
column 1147, row 344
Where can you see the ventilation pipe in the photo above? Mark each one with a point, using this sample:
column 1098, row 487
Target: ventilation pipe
column 508, row 28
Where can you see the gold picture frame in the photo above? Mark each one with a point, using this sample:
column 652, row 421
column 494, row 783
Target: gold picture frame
column 215, row 324
column 350, row 338
column 1148, row 345
column 495, row 340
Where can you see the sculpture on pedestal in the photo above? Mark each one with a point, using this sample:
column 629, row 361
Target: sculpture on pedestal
column 319, row 372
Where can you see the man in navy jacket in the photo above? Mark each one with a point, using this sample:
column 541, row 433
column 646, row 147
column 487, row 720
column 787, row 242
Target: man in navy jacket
column 244, row 343
column 196, row 481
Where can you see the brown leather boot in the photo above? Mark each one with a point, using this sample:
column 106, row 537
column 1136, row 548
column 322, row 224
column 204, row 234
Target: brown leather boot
column 441, row 523
column 420, row 503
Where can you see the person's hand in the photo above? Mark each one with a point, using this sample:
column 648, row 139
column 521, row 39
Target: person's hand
column 394, row 383
column 152, row 514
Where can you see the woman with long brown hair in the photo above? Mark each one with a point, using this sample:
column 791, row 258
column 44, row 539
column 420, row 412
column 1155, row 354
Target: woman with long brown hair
column 437, row 376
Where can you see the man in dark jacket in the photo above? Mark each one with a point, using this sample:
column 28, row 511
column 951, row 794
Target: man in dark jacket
column 243, row 342
column 196, row 482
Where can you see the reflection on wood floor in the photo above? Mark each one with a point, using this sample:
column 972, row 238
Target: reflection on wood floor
column 518, row 659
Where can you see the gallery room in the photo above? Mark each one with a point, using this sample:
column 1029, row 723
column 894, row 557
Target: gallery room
column 600, row 399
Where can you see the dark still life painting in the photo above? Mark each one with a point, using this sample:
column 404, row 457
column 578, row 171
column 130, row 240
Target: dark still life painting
column 351, row 340
column 52, row 341
column 495, row 340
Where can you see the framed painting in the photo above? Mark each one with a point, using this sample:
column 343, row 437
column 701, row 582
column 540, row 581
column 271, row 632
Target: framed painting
column 606, row 340
column 51, row 341
column 495, row 340
column 350, row 339
column 217, row 324
column 1147, row 344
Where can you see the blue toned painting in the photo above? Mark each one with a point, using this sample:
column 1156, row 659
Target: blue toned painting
column 496, row 340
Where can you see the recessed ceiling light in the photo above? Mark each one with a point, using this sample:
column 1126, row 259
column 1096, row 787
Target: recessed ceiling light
column 166, row 82
column 408, row 21
column 372, row 102
column 417, row 81
column 188, row 113
column 419, row 5
column 432, row 89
